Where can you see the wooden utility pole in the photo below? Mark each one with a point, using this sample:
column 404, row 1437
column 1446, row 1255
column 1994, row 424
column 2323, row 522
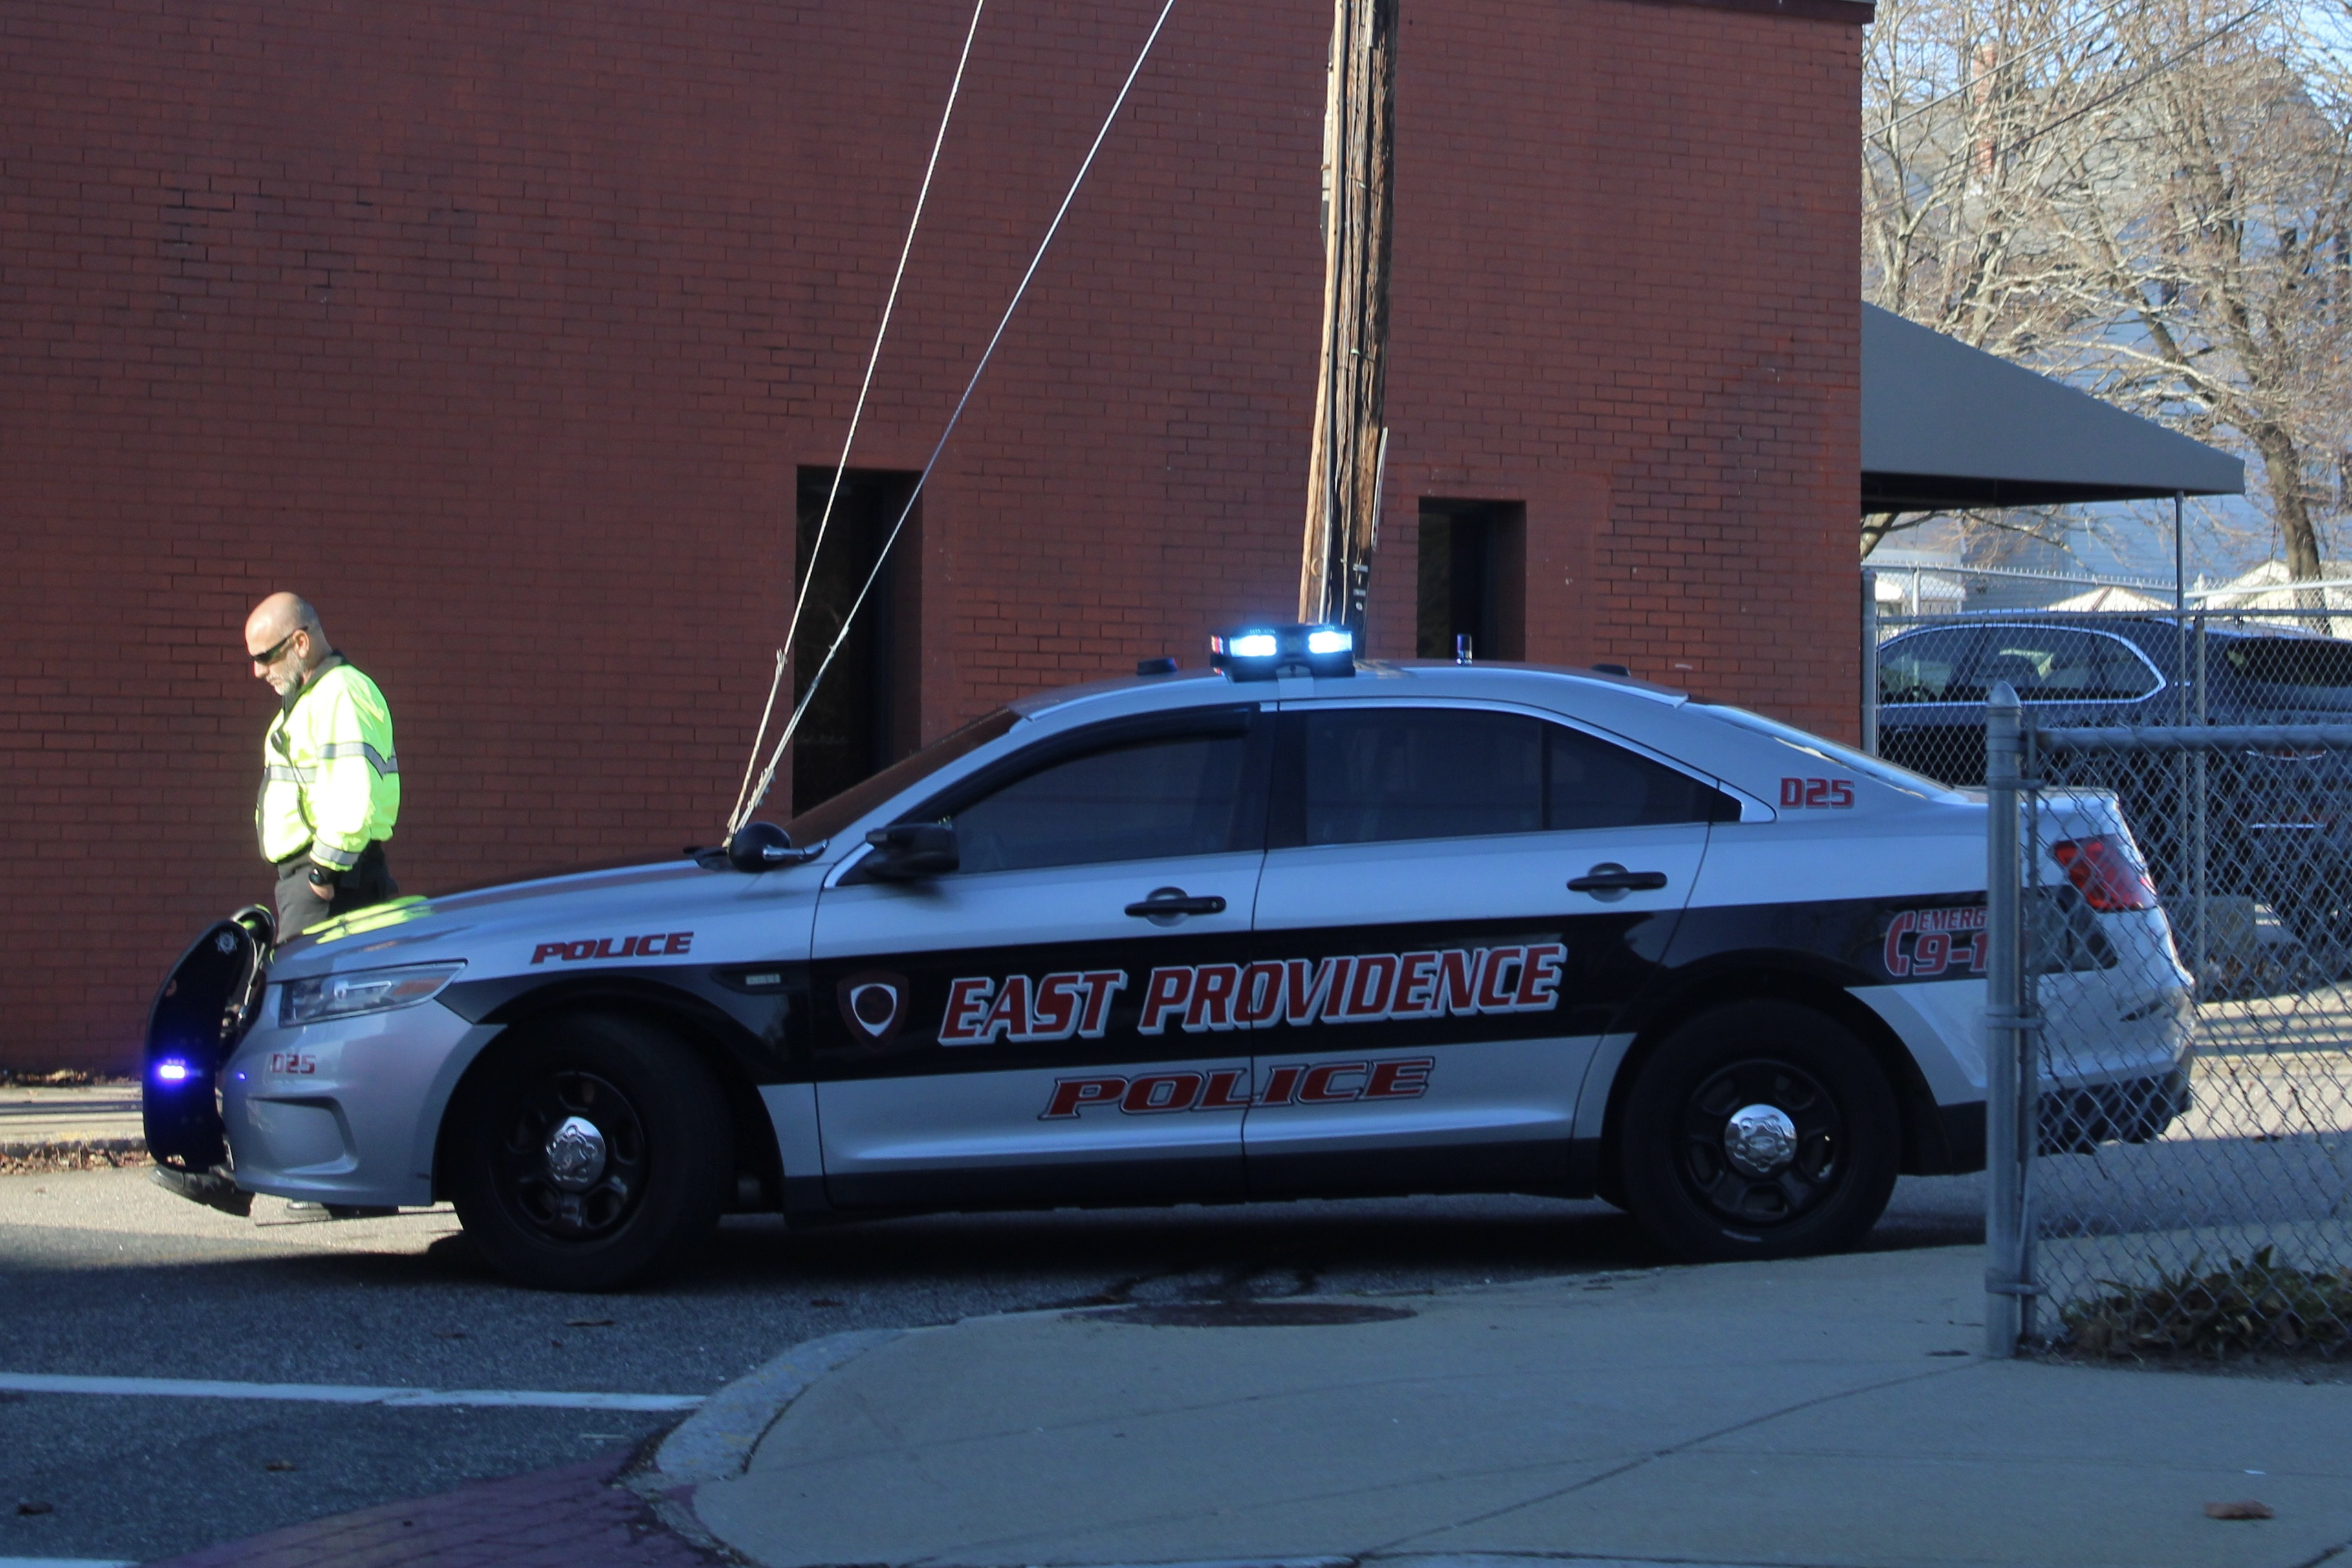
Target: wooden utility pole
column 1343, row 489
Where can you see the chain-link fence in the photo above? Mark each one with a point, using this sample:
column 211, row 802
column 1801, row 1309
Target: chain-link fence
column 2182, row 987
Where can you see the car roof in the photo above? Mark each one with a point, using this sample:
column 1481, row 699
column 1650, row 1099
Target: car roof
column 1427, row 677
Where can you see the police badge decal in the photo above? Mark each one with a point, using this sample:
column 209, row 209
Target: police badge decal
column 873, row 1004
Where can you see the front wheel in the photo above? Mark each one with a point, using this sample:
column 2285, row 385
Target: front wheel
column 589, row 1153
column 1758, row 1130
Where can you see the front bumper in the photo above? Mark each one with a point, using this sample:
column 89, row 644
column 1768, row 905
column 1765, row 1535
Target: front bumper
column 345, row 1113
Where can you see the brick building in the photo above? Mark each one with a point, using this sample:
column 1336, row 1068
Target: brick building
column 516, row 333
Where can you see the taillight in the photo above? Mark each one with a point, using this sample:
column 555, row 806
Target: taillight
column 2110, row 878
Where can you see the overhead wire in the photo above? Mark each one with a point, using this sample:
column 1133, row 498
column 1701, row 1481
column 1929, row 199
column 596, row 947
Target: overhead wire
column 2134, row 85
column 882, row 556
column 1985, row 76
column 825, row 518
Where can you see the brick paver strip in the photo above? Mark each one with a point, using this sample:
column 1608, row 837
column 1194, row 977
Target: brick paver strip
column 569, row 1518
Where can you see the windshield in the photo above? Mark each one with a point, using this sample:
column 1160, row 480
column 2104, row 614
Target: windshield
column 1885, row 772
column 821, row 822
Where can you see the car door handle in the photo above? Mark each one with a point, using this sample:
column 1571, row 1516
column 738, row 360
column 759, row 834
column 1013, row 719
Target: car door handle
column 1167, row 902
column 1610, row 877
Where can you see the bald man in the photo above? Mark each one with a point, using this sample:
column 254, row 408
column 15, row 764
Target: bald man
column 331, row 780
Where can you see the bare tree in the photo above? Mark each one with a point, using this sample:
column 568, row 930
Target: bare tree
column 2152, row 198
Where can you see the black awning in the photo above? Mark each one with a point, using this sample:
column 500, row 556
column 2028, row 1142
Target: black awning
column 1944, row 425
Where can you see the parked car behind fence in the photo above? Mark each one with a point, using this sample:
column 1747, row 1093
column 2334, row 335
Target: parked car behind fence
column 2271, row 825
column 2227, row 740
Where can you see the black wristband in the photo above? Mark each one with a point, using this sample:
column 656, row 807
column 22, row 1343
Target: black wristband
column 321, row 877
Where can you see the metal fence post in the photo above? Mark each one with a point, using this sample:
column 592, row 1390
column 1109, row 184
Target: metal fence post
column 2008, row 1067
column 1869, row 662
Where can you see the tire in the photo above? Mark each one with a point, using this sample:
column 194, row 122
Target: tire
column 1822, row 1157
column 637, row 1188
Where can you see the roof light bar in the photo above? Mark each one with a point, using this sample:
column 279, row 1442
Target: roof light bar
column 1262, row 653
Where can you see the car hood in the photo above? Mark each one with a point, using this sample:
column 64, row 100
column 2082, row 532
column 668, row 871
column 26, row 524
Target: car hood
column 500, row 929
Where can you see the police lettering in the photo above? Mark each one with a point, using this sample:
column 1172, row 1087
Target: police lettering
column 661, row 944
column 1228, row 1088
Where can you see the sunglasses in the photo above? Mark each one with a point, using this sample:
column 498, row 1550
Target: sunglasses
column 271, row 655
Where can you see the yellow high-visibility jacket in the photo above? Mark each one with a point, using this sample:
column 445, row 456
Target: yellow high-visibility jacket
column 330, row 779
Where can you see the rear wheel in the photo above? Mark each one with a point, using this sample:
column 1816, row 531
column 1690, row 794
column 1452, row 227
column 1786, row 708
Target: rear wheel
column 1758, row 1130
column 589, row 1153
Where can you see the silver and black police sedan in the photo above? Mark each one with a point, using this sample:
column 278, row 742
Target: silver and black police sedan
column 1292, row 926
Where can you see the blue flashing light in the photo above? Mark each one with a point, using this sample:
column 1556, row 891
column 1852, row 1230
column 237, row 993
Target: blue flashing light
column 172, row 1071
column 1262, row 653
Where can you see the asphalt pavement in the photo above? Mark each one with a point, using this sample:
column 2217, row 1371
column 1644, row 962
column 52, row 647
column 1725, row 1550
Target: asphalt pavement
column 102, row 1275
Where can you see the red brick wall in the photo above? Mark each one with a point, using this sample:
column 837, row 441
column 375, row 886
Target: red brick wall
column 500, row 328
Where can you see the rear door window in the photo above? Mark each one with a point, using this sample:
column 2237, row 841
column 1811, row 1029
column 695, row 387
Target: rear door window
column 1392, row 773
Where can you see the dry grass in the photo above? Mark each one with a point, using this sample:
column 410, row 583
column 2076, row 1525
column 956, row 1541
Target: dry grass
column 42, row 1159
column 2254, row 1305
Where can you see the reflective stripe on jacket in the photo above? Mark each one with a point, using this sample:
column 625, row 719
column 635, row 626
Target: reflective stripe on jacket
column 330, row 779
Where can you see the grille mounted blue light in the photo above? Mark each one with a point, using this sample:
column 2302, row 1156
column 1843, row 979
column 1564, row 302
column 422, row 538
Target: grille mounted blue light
column 1262, row 653
column 173, row 1070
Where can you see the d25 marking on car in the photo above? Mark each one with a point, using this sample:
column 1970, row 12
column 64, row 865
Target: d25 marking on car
column 1801, row 794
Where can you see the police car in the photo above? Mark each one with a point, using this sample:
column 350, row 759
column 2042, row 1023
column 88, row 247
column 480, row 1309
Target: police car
column 1290, row 926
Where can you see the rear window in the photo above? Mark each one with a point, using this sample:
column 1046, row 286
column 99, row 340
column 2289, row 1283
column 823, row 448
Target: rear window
column 1829, row 750
column 1374, row 774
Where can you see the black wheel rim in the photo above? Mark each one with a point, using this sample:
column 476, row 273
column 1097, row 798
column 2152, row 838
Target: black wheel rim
column 569, row 1204
column 1744, row 1200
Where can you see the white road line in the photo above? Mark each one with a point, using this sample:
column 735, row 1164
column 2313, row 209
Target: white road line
column 66, row 1563
column 339, row 1394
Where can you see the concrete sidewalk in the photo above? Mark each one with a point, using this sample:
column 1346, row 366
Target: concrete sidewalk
column 1827, row 1412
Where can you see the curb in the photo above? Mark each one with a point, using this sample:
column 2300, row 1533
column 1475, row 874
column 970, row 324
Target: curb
column 715, row 1443
column 21, row 1149
column 33, row 1156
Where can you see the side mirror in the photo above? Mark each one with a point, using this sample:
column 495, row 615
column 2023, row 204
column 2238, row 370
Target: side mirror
column 761, row 846
column 908, row 851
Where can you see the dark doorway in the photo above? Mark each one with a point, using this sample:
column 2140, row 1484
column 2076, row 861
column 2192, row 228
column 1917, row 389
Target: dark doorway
column 867, row 714
column 1473, row 578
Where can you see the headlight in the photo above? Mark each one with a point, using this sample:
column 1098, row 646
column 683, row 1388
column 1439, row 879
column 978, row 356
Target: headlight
column 360, row 991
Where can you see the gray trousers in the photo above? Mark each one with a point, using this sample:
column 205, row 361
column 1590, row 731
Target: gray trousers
column 299, row 908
